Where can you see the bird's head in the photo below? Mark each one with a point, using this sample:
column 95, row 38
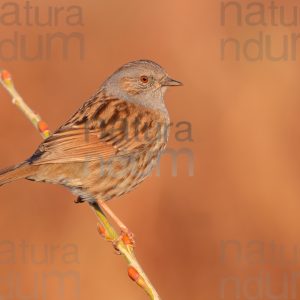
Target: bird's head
column 142, row 81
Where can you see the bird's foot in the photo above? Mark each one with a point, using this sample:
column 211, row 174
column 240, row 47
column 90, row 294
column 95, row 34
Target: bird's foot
column 78, row 200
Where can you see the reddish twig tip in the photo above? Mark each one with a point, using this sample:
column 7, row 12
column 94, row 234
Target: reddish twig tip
column 5, row 75
column 42, row 125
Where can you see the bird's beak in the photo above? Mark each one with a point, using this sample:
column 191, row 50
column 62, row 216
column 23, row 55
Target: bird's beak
column 167, row 81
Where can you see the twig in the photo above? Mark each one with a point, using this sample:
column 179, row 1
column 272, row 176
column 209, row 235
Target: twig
column 35, row 119
column 121, row 243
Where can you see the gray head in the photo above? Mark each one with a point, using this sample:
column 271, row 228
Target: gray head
column 142, row 82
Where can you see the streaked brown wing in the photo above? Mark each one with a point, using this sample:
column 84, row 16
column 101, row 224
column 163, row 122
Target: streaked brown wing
column 101, row 128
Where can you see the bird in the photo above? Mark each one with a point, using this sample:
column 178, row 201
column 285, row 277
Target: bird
column 111, row 143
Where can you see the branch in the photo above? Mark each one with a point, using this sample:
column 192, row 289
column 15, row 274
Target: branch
column 121, row 243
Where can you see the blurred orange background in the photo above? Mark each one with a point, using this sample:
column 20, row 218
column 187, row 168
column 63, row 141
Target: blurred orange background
column 245, row 187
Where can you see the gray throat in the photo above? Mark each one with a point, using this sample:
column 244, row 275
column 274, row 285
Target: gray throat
column 153, row 100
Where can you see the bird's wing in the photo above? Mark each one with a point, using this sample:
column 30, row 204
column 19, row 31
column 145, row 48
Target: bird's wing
column 102, row 128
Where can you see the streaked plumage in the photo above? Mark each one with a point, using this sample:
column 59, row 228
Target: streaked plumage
column 111, row 143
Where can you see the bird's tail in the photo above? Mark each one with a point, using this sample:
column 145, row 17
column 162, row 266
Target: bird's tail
column 16, row 172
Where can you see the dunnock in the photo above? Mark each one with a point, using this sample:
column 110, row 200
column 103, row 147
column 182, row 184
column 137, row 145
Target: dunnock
column 111, row 143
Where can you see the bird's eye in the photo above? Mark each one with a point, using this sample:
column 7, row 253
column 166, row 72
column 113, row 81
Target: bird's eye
column 144, row 79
